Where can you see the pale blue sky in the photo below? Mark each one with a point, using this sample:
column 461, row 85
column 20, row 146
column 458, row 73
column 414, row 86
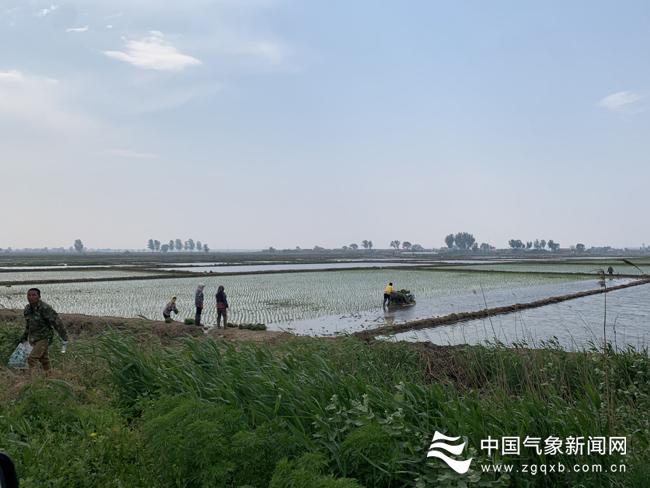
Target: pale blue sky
column 258, row 123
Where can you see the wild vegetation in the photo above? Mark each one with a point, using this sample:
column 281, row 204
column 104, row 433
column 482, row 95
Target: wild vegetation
column 199, row 412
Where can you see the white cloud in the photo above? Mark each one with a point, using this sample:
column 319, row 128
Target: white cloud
column 47, row 11
column 154, row 52
column 38, row 104
column 130, row 153
column 77, row 29
column 11, row 75
column 624, row 101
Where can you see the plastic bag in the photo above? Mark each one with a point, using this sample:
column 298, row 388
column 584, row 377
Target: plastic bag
column 18, row 358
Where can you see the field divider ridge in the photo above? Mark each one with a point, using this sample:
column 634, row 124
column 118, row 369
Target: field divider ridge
column 455, row 318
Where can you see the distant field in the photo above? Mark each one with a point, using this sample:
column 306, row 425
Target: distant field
column 273, row 297
column 37, row 276
column 561, row 267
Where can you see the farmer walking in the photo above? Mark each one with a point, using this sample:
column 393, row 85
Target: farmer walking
column 169, row 308
column 198, row 303
column 40, row 322
column 388, row 291
column 222, row 306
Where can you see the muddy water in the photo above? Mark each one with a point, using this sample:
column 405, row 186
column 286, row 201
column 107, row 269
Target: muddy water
column 435, row 306
column 576, row 324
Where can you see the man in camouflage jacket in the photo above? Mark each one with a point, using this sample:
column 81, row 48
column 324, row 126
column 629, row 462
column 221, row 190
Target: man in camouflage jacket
column 41, row 320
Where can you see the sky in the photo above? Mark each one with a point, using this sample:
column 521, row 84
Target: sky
column 256, row 123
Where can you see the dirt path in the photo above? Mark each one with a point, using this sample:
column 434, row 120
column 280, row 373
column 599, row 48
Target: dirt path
column 79, row 325
column 487, row 312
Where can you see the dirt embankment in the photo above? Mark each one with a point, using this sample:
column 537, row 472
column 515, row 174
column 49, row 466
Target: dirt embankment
column 487, row 312
column 79, row 325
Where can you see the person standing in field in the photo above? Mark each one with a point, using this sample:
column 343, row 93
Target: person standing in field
column 222, row 306
column 388, row 291
column 40, row 322
column 169, row 308
column 198, row 303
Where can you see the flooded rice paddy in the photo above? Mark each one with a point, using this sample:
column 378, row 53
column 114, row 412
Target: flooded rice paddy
column 344, row 301
column 286, row 298
column 94, row 273
column 251, row 268
column 574, row 324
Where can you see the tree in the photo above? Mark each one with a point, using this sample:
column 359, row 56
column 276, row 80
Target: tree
column 417, row 248
column 156, row 245
column 394, row 244
column 206, row 248
column 78, row 245
column 475, row 247
column 536, row 244
column 486, row 247
column 199, row 246
column 369, row 245
column 449, row 240
column 553, row 246
column 364, row 244
column 542, row 244
column 186, row 246
column 150, row 245
column 516, row 244
column 529, row 245
column 406, row 245
column 179, row 245
column 580, row 247
column 354, row 246
column 190, row 244
column 171, row 245
column 345, row 248
column 164, row 248
column 464, row 240
column 319, row 248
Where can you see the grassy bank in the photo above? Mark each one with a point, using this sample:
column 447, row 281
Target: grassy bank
column 196, row 412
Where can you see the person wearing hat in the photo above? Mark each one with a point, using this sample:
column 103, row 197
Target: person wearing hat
column 198, row 303
column 169, row 308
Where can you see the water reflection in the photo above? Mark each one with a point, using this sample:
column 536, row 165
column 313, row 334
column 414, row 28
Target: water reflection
column 576, row 324
column 442, row 304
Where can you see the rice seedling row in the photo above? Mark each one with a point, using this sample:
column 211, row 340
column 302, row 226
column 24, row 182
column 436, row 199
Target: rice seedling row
column 273, row 298
column 69, row 275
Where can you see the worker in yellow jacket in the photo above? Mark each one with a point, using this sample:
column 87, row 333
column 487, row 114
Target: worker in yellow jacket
column 388, row 291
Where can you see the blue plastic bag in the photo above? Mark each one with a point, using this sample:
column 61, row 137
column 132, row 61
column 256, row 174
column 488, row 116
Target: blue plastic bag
column 18, row 358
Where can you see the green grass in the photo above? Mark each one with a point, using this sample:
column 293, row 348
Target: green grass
column 312, row 413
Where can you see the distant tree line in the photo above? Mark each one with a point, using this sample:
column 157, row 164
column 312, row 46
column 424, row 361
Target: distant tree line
column 406, row 246
column 466, row 242
column 538, row 244
column 78, row 245
column 177, row 245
